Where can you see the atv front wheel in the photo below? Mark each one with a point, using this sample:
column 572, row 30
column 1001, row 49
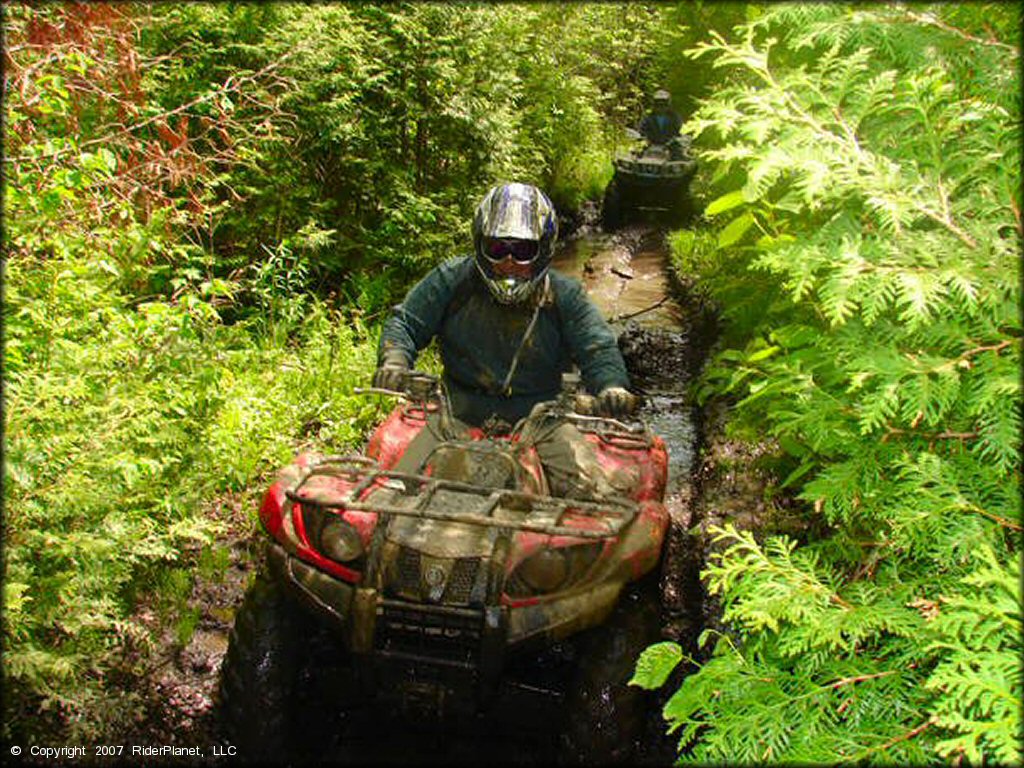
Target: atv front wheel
column 606, row 716
column 259, row 672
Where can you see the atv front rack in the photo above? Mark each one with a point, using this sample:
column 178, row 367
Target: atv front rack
column 668, row 170
column 432, row 498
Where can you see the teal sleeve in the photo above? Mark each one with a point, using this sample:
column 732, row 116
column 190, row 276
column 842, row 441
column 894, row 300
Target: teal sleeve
column 415, row 321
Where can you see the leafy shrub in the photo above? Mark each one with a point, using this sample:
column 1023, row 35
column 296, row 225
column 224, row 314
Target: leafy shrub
column 126, row 414
column 385, row 124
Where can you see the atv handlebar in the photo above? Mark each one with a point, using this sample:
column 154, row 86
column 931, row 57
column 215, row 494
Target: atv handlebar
column 423, row 387
column 587, row 409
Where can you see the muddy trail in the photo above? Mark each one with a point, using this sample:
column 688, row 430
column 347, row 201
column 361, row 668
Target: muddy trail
column 664, row 333
column 664, row 338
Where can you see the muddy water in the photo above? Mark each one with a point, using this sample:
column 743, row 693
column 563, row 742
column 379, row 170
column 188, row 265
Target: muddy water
column 627, row 274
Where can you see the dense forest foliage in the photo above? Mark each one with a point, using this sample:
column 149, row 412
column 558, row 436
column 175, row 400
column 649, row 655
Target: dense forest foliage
column 865, row 251
column 208, row 206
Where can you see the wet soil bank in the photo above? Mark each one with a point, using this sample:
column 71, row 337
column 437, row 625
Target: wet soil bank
column 178, row 704
column 665, row 333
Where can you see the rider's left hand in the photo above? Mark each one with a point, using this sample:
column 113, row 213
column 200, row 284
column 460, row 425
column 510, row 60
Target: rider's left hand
column 392, row 372
column 616, row 402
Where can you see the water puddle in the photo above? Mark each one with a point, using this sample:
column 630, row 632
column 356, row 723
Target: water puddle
column 625, row 275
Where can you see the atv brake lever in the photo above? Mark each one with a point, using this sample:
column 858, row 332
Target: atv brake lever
column 378, row 391
column 417, row 386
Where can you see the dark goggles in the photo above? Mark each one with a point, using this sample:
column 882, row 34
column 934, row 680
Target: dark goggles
column 522, row 251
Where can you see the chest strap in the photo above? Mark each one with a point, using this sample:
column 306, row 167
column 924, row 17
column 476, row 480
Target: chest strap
column 545, row 297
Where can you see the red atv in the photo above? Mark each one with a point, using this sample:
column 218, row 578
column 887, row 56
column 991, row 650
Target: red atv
column 437, row 585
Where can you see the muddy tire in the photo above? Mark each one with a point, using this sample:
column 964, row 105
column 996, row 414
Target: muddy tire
column 611, row 208
column 606, row 717
column 259, row 673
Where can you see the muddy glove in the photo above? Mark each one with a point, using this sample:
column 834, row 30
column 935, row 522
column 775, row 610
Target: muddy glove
column 616, row 402
column 391, row 372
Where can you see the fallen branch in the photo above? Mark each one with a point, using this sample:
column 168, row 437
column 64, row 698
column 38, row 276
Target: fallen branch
column 227, row 87
column 629, row 315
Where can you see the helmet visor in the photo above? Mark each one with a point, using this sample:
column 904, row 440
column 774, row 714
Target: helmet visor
column 498, row 249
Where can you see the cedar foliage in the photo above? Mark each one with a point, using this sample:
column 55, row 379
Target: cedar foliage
column 865, row 252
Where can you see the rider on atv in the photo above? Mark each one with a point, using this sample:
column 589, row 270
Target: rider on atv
column 661, row 126
column 508, row 327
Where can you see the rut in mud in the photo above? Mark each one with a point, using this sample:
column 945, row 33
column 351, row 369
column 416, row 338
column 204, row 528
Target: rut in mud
column 664, row 340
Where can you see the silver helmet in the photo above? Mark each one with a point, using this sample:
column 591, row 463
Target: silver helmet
column 514, row 234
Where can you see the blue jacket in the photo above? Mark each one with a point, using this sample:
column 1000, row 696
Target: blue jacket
column 661, row 126
column 478, row 339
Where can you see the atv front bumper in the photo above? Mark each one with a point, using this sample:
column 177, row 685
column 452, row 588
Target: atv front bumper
column 468, row 637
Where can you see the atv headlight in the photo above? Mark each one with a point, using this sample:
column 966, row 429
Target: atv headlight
column 340, row 541
column 544, row 571
column 551, row 569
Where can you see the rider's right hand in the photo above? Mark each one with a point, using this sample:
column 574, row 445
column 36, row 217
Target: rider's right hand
column 391, row 372
column 617, row 402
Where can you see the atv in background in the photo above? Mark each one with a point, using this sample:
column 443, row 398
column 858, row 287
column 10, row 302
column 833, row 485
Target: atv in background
column 438, row 590
column 653, row 180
